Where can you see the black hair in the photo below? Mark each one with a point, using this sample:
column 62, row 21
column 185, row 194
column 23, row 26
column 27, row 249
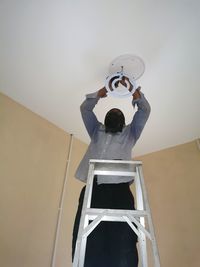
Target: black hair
column 114, row 121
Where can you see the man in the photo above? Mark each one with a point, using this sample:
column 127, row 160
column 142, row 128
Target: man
column 111, row 243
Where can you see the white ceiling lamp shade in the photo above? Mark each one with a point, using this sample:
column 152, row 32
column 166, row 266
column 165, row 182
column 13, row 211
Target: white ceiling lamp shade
column 126, row 68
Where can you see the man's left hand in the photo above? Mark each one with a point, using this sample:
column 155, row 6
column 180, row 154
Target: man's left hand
column 136, row 94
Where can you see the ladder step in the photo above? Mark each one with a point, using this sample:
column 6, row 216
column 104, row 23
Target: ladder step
column 112, row 214
column 115, row 167
column 114, row 173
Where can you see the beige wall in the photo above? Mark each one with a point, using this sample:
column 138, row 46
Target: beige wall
column 33, row 154
column 172, row 178
column 71, row 203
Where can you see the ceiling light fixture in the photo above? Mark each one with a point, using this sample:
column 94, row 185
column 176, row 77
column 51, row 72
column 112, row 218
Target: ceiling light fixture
column 123, row 73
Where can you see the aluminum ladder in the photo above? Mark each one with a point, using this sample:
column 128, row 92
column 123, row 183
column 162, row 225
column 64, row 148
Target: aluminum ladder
column 141, row 217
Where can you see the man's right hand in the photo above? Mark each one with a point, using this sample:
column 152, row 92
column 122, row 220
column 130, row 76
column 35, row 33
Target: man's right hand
column 102, row 92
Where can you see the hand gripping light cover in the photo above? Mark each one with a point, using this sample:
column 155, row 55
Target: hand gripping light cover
column 128, row 66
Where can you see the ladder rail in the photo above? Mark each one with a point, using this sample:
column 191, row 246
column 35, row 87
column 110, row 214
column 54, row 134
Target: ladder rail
column 140, row 206
column 134, row 218
column 150, row 222
column 81, row 242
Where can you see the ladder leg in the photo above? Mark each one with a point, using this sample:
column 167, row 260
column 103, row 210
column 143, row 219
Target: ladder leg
column 143, row 249
column 80, row 249
column 140, row 206
column 150, row 223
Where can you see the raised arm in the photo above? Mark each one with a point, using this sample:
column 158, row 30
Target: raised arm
column 142, row 114
column 88, row 116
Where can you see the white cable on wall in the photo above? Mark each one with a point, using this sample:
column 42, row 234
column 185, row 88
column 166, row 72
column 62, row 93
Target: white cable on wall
column 61, row 203
column 198, row 143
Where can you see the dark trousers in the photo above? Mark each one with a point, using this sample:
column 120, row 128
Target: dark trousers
column 111, row 244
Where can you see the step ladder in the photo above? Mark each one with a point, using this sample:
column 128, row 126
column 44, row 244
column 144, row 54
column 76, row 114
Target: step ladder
column 141, row 217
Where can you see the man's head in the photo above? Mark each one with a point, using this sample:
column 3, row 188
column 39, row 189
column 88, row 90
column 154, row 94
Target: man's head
column 114, row 121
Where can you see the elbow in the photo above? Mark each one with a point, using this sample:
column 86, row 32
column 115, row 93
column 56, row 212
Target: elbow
column 82, row 107
column 148, row 109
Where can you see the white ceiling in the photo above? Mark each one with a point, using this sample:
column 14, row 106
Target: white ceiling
column 53, row 52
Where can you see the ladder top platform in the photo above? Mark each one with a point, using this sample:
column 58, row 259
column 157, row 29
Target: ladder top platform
column 115, row 167
column 116, row 161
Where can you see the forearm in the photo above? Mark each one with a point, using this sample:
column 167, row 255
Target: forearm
column 141, row 116
column 88, row 116
column 141, row 102
column 90, row 102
